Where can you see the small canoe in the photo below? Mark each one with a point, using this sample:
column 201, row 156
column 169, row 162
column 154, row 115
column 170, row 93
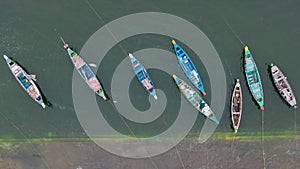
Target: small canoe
column 143, row 76
column 25, row 81
column 85, row 72
column 283, row 86
column 236, row 106
column 195, row 99
column 253, row 78
column 188, row 67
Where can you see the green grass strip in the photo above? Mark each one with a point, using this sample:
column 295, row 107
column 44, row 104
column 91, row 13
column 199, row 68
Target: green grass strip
column 216, row 136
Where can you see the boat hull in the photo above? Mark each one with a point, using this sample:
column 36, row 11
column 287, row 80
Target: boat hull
column 195, row 99
column 86, row 73
column 188, row 67
column 143, row 76
column 25, row 81
column 236, row 106
column 253, row 78
column 283, row 86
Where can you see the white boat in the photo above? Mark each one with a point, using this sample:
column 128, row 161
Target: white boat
column 236, row 106
column 25, row 81
column 283, row 86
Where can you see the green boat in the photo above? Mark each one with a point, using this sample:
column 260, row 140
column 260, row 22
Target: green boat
column 253, row 78
column 195, row 99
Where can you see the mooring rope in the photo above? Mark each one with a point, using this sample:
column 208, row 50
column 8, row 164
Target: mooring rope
column 177, row 151
column 122, row 48
column 296, row 136
column 263, row 137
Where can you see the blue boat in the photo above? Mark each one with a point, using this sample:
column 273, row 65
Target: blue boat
column 143, row 76
column 188, row 67
column 253, row 78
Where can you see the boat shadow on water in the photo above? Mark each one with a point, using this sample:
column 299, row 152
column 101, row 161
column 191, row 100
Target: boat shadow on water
column 105, row 94
column 46, row 101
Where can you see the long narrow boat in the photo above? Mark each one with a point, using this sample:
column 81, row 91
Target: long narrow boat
column 195, row 99
column 188, row 67
column 25, row 81
column 253, row 78
column 85, row 71
column 143, row 76
column 236, row 106
column 283, row 86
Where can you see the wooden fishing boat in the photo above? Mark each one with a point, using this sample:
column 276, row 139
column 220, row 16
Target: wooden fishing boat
column 85, row 71
column 195, row 99
column 283, row 86
column 188, row 67
column 25, row 81
column 143, row 76
column 236, row 106
column 253, row 78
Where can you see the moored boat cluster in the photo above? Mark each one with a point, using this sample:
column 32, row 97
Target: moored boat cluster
column 255, row 87
column 191, row 95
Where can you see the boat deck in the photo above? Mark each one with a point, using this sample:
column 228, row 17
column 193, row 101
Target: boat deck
column 283, row 86
column 142, row 76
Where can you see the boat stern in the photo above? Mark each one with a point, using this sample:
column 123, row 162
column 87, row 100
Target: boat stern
column 260, row 102
column 155, row 97
column 130, row 55
column 66, row 46
column 5, row 57
column 212, row 117
column 173, row 42
column 216, row 121
column 176, row 79
column 246, row 49
column 43, row 105
column 104, row 97
column 101, row 94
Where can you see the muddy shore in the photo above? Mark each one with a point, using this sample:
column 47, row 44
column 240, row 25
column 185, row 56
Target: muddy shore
column 213, row 154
